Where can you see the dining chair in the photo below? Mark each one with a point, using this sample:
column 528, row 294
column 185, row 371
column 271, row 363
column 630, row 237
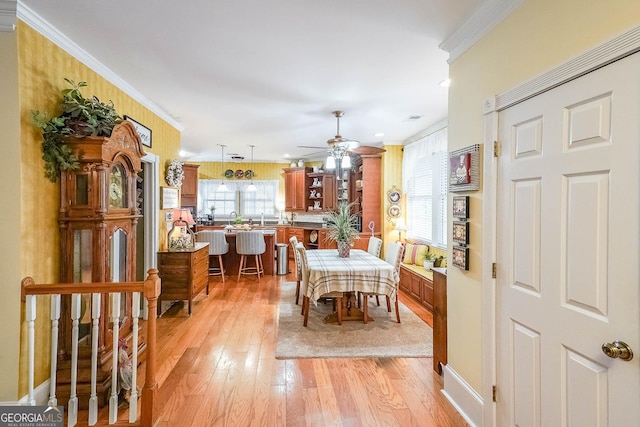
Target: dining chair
column 218, row 246
column 393, row 255
column 375, row 245
column 250, row 243
column 304, row 264
column 296, row 257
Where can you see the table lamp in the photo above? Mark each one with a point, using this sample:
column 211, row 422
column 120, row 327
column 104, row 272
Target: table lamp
column 400, row 227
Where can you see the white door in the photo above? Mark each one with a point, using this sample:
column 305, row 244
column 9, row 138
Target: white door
column 568, row 253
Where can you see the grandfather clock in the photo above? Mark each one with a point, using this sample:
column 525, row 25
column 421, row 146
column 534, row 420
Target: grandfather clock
column 98, row 218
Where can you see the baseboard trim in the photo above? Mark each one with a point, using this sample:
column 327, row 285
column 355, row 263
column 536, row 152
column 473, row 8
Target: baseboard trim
column 466, row 401
column 40, row 393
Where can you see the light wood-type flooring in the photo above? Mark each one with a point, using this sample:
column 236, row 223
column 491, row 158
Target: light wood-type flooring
column 218, row 368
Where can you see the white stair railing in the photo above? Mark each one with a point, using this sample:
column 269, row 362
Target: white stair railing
column 151, row 289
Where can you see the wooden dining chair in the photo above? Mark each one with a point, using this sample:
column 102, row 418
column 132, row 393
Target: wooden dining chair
column 374, row 248
column 337, row 296
column 393, row 255
column 296, row 257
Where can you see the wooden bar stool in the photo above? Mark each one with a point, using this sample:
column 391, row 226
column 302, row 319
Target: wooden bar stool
column 250, row 243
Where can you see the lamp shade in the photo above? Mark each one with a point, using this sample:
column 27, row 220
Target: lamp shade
column 346, row 162
column 223, row 187
column 330, row 163
column 400, row 225
column 183, row 215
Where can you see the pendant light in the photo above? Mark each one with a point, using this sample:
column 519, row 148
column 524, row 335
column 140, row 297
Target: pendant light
column 251, row 186
column 223, row 186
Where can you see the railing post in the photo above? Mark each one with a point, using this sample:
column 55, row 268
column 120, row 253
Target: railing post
column 150, row 390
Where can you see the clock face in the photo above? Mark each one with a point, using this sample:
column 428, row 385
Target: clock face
column 117, row 187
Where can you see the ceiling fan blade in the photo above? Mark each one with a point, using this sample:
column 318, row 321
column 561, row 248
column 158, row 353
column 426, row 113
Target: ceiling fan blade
column 315, row 147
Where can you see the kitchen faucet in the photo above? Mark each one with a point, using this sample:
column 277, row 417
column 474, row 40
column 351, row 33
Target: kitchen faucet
column 235, row 216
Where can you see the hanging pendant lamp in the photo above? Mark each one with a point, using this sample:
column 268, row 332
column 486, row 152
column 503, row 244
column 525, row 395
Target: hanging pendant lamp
column 251, row 186
column 223, row 186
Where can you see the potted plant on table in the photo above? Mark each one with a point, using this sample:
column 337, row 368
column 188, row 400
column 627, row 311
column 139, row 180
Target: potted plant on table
column 80, row 117
column 342, row 227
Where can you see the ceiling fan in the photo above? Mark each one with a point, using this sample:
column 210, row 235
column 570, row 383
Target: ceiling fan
column 336, row 141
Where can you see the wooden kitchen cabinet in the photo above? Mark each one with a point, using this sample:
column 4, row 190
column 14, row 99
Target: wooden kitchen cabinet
column 296, row 183
column 189, row 189
column 322, row 191
column 184, row 274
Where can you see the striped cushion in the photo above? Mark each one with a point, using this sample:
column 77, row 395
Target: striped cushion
column 414, row 254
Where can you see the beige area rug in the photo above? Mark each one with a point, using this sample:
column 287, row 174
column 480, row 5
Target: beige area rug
column 383, row 337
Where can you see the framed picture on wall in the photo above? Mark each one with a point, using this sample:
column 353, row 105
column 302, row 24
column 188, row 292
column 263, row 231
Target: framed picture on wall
column 461, row 257
column 461, row 207
column 169, row 198
column 143, row 131
column 461, row 232
column 464, row 169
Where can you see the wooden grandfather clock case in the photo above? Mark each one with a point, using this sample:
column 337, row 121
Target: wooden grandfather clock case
column 98, row 219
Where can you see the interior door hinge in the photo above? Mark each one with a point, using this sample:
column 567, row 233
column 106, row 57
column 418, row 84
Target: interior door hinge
column 496, row 149
column 493, row 392
column 494, row 269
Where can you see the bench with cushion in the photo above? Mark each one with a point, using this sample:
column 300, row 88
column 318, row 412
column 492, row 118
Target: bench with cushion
column 414, row 279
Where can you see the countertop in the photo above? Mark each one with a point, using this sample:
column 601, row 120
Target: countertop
column 441, row 270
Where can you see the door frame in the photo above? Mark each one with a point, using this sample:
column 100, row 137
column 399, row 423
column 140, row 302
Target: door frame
column 617, row 48
column 151, row 190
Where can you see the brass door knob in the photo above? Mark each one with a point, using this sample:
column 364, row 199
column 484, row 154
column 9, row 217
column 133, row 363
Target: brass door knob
column 618, row 349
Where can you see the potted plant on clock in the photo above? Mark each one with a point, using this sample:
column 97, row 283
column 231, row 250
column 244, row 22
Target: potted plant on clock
column 342, row 228
column 80, row 117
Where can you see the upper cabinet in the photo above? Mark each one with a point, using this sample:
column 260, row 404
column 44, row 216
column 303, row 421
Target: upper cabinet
column 322, row 191
column 189, row 190
column 296, row 183
column 367, row 187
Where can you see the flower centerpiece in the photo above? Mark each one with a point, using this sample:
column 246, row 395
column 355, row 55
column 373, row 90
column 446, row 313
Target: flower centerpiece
column 80, row 117
column 342, row 227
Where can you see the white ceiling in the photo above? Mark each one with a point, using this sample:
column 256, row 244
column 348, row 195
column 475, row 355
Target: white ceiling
column 269, row 73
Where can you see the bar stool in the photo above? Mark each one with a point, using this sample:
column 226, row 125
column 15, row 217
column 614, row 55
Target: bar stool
column 250, row 243
column 218, row 246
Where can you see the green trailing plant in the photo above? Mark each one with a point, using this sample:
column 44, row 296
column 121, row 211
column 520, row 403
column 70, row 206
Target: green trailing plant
column 342, row 225
column 80, row 117
column 430, row 256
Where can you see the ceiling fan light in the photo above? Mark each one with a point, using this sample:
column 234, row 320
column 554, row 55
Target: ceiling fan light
column 346, row 162
column 330, row 163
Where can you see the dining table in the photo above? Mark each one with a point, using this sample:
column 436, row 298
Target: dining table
column 360, row 272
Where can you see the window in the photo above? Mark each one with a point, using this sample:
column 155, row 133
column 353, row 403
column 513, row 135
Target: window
column 237, row 198
column 424, row 178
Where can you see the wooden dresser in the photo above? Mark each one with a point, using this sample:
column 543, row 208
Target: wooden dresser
column 184, row 274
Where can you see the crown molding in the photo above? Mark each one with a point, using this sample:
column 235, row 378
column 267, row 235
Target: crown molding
column 427, row 131
column 8, row 15
column 617, row 48
column 483, row 20
column 43, row 27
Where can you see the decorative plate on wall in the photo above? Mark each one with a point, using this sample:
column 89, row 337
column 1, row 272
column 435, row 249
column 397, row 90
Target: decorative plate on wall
column 228, row 173
column 394, row 211
column 239, row 173
column 248, row 174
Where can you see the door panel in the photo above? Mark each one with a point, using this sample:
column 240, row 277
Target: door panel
column 568, row 248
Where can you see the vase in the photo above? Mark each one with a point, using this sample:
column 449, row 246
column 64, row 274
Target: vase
column 344, row 249
column 428, row 265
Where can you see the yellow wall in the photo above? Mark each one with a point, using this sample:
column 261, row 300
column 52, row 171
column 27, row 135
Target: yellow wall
column 391, row 176
column 42, row 68
column 539, row 35
column 10, row 208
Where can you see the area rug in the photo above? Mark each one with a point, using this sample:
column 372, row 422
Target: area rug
column 383, row 337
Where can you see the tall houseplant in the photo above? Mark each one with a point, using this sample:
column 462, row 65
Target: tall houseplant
column 80, row 117
column 342, row 227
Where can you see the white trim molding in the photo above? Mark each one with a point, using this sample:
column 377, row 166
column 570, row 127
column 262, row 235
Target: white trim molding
column 483, row 20
column 466, row 401
column 40, row 393
column 617, row 48
column 46, row 29
column 8, row 15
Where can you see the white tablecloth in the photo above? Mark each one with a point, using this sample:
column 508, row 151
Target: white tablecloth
column 360, row 272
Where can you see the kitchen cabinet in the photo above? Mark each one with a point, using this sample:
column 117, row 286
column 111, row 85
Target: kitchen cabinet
column 296, row 183
column 322, row 191
column 189, row 189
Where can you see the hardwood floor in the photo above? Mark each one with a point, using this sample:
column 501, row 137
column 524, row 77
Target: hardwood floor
column 218, row 368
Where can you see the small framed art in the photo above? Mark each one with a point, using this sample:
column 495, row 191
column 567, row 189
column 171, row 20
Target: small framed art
column 461, row 257
column 143, row 131
column 464, row 169
column 461, row 207
column 461, row 232
column 170, row 198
